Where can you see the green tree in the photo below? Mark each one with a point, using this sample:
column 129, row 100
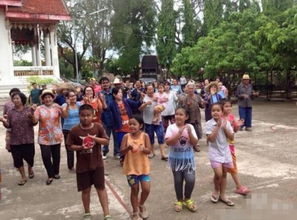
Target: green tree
column 166, row 47
column 212, row 14
column 133, row 28
column 192, row 25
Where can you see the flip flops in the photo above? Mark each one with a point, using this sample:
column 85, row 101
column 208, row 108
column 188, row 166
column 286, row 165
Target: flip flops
column 242, row 190
column 228, row 202
column 22, row 182
column 164, row 158
column 87, row 216
column 214, row 198
column 31, row 175
column 49, row 181
column 190, row 204
column 178, row 206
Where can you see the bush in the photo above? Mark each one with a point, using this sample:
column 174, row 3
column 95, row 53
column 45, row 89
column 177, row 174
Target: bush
column 39, row 81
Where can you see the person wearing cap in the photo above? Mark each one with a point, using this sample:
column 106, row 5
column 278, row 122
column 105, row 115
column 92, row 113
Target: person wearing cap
column 50, row 133
column 211, row 97
column 244, row 94
column 192, row 103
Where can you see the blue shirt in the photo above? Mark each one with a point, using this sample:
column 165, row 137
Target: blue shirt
column 106, row 116
column 176, row 88
column 60, row 100
column 73, row 117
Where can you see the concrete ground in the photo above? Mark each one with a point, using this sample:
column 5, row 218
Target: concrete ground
column 266, row 162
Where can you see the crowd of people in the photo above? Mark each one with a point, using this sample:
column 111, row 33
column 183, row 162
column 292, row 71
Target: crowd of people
column 133, row 114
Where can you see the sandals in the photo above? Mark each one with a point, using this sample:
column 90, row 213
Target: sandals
column 49, row 182
column 228, row 202
column 164, row 158
column 178, row 206
column 214, row 198
column 107, row 217
column 135, row 216
column 143, row 213
column 190, row 204
column 31, row 175
column 57, row 176
column 242, row 191
column 151, row 156
column 87, row 216
column 197, row 148
column 22, row 182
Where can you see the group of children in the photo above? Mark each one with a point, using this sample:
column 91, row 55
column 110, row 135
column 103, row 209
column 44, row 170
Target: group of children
column 87, row 138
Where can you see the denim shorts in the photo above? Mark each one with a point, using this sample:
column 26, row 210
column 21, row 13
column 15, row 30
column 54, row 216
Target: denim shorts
column 134, row 179
column 152, row 129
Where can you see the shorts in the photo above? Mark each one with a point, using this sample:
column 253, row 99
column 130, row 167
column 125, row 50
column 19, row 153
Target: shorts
column 23, row 152
column 134, row 179
column 92, row 177
column 234, row 169
column 151, row 129
column 215, row 164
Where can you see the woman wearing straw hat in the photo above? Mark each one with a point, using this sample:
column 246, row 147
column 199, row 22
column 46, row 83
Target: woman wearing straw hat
column 50, row 133
column 244, row 94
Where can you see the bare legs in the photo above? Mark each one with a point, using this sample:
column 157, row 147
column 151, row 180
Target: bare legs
column 136, row 202
column 103, row 199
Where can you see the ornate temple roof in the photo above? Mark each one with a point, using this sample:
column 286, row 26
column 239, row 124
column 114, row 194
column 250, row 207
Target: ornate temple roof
column 37, row 10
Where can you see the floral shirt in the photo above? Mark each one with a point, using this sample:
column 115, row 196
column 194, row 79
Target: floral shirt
column 50, row 130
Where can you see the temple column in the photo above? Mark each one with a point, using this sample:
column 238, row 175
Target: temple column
column 33, row 52
column 6, row 61
column 54, row 50
column 48, row 60
column 37, row 49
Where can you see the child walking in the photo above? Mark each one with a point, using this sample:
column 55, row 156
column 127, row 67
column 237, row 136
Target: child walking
column 219, row 131
column 162, row 99
column 227, row 115
column 136, row 147
column 86, row 139
column 181, row 138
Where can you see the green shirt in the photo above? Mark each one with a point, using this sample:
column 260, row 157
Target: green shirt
column 35, row 93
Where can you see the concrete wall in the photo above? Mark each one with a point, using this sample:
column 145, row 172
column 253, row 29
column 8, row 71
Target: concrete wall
column 6, row 59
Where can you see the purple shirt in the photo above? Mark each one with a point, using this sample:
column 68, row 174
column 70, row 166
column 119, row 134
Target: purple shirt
column 21, row 126
column 7, row 107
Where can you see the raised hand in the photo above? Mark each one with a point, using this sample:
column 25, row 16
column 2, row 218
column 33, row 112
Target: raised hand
column 219, row 122
column 224, row 123
column 240, row 122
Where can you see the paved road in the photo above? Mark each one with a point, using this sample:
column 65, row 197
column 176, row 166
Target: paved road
column 266, row 161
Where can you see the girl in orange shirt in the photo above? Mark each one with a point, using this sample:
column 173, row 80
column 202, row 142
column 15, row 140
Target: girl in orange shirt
column 136, row 147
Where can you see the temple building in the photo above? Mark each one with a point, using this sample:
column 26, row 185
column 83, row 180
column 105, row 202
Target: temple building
column 29, row 26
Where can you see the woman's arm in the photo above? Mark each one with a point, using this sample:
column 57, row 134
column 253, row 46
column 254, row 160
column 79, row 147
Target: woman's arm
column 103, row 101
column 142, row 107
column 65, row 110
column 5, row 121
